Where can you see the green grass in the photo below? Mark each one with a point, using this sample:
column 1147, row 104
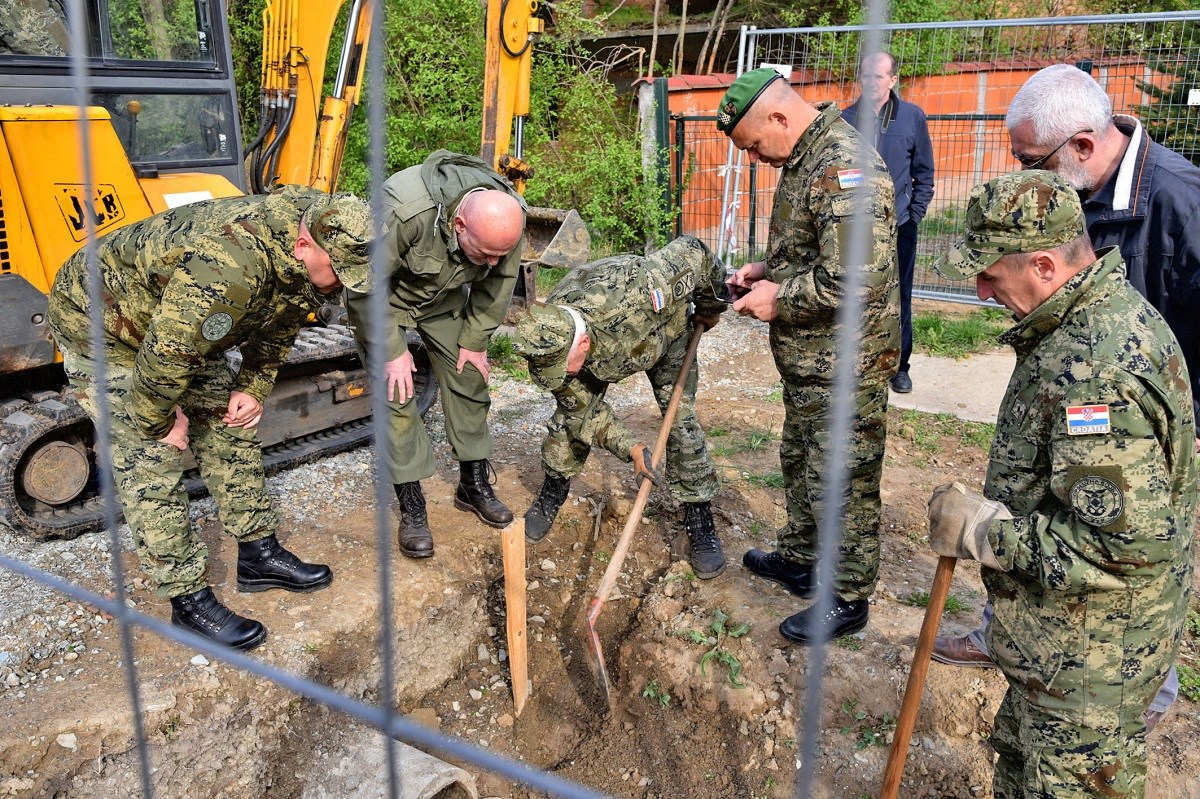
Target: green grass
column 502, row 356
column 958, row 337
column 766, row 480
column 920, row 599
column 925, row 430
column 776, row 393
column 1189, row 682
column 547, row 278
column 752, row 440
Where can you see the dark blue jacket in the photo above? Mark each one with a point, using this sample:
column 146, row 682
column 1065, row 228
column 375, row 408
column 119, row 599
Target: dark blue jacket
column 902, row 138
column 1150, row 209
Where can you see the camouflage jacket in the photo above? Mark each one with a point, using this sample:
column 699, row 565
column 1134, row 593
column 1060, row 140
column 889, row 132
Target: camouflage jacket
column 185, row 285
column 1094, row 457
column 634, row 308
column 428, row 274
column 808, row 250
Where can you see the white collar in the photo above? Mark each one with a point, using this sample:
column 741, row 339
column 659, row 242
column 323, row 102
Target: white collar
column 579, row 327
column 1123, row 190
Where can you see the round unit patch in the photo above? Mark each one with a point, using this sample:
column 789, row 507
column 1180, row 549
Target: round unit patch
column 1096, row 500
column 217, row 326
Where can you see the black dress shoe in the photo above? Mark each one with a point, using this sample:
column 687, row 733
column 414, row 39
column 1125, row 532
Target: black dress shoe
column 795, row 577
column 264, row 564
column 201, row 612
column 902, row 383
column 842, row 618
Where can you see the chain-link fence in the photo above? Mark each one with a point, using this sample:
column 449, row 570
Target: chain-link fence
column 963, row 75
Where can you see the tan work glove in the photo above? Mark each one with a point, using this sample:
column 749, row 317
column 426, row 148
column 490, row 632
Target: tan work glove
column 958, row 523
column 643, row 469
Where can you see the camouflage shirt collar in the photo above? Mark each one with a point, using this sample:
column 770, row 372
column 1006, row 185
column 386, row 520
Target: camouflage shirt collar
column 1094, row 282
column 830, row 113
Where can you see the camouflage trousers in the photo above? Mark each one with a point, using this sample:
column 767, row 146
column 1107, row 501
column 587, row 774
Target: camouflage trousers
column 149, row 475
column 1042, row 756
column 804, row 455
column 465, row 405
column 690, row 473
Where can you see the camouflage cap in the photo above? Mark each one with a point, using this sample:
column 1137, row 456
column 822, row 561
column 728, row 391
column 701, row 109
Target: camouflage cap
column 341, row 225
column 1020, row 212
column 543, row 337
column 741, row 95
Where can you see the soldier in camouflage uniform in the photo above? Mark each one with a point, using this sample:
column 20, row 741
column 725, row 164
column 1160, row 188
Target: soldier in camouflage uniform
column 178, row 290
column 34, row 27
column 798, row 289
column 1085, row 526
column 604, row 322
column 453, row 239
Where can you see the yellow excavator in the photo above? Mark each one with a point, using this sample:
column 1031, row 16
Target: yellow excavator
column 162, row 130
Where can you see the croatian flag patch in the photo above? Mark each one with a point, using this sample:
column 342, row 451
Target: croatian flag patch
column 657, row 300
column 1083, row 420
column 849, row 178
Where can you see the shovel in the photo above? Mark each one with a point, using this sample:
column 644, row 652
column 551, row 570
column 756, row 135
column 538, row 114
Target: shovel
column 916, row 678
column 635, row 516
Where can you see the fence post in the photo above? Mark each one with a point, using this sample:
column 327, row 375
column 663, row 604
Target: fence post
column 662, row 129
column 680, row 136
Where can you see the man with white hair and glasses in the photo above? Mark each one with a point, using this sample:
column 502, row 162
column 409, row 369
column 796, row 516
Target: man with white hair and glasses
column 1137, row 195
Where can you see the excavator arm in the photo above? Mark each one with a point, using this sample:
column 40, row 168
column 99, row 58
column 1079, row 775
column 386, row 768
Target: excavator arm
column 298, row 142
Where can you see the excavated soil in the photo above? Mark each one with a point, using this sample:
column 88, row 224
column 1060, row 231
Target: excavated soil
column 698, row 709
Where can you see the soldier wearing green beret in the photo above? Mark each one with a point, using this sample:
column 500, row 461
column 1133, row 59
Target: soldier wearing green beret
column 608, row 320
column 453, row 244
column 1084, row 529
column 798, row 288
column 179, row 289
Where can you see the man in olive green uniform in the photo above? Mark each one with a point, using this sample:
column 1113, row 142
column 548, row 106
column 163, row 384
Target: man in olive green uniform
column 603, row 322
column 828, row 174
column 1085, row 526
column 178, row 290
column 453, row 238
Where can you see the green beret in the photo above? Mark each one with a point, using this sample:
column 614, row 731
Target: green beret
column 1020, row 212
column 341, row 225
column 543, row 337
column 741, row 95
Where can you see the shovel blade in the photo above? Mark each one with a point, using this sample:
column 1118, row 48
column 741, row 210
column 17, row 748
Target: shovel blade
column 599, row 668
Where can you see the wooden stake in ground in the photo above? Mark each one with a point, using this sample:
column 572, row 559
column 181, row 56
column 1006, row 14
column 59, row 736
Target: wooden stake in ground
column 916, row 678
column 513, row 549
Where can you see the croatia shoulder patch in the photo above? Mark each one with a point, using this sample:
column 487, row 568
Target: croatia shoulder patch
column 1085, row 420
column 657, row 300
column 849, row 178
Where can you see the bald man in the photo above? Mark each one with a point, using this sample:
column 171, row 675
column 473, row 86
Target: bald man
column 453, row 235
column 828, row 174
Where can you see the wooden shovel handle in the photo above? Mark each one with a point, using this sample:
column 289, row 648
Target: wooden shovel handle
column 916, row 678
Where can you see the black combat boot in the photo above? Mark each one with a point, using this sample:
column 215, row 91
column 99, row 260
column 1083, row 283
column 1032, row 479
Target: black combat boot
column 203, row 613
column 844, row 617
column 264, row 564
column 474, row 493
column 707, row 558
column 798, row 578
column 541, row 513
column 415, row 539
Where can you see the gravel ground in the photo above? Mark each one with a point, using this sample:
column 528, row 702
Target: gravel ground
column 38, row 625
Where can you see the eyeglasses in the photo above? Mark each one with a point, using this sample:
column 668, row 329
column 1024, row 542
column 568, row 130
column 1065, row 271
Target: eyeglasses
column 1034, row 163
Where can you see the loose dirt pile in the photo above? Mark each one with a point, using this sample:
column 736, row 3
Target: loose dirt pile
column 707, row 694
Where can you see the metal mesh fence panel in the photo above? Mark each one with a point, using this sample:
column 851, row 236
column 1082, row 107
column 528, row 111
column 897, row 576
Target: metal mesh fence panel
column 963, row 75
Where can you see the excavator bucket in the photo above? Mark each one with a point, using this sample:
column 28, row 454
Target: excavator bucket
column 556, row 238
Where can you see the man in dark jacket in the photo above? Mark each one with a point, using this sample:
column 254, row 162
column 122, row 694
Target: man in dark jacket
column 900, row 134
column 1138, row 196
